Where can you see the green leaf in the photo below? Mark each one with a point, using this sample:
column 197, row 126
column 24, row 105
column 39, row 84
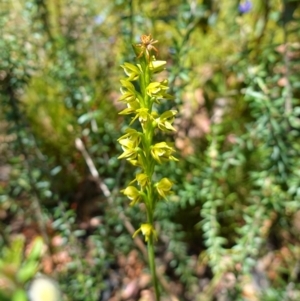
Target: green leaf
column 19, row 295
column 36, row 250
column 27, row 271
column 14, row 254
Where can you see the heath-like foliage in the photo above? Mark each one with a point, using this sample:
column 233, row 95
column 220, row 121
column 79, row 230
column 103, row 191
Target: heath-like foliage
column 142, row 96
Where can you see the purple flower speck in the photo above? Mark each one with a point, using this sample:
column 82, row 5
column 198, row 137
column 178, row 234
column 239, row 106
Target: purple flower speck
column 99, row 19
column 245, row 7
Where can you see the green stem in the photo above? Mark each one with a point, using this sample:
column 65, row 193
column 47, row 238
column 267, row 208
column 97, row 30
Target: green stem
column 151, row 205
column 151, row 258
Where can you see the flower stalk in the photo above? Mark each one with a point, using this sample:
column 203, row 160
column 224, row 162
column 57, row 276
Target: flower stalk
column 142, row 96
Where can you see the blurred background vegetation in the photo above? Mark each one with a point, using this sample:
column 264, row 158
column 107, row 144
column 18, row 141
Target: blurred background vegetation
column 231, row 231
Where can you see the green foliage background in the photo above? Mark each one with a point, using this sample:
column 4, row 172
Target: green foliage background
column 237, row 86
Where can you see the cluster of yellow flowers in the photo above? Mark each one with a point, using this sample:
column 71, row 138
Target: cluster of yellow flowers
column 142, row 97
